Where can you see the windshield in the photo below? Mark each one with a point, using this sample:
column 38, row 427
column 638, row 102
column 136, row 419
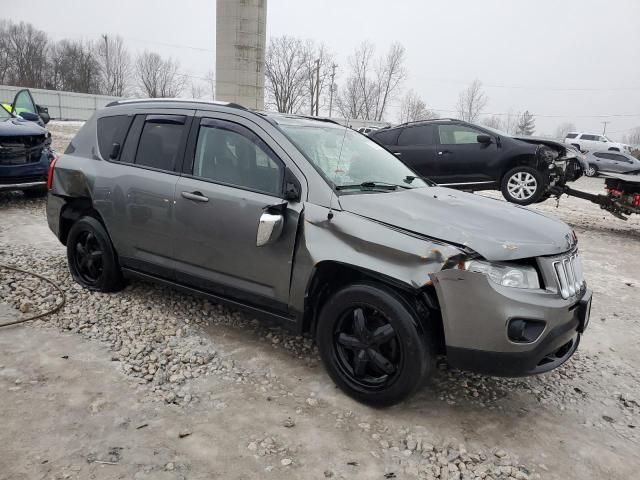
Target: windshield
column 348, row 158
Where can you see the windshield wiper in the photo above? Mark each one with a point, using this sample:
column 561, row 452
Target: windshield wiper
column 370, row 185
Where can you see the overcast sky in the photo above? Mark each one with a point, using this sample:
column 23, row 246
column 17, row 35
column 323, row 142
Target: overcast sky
column 563, row 60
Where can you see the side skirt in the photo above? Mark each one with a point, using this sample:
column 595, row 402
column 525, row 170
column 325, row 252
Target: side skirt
column 290, row 323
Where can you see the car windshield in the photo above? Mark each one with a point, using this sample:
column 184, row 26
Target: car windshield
column 349, row 159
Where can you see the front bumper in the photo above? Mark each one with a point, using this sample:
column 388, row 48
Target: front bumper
column 476, row 314
column 26, row 175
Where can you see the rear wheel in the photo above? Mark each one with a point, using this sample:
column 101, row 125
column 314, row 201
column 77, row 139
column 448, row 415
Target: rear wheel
column 370, row 343
column 522, row 185
column 92, row 259
column 35, row 192
column 591, row 171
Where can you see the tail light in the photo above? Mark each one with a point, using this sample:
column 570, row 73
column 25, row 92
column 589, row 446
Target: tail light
column 635, row 202
column 50, row 175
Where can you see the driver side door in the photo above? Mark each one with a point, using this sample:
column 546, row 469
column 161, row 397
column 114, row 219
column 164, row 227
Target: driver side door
column 24, row 106
column 233, row 174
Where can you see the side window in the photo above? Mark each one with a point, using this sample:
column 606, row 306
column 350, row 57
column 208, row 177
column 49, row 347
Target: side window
column 386, row 137
column 599, row 155
column 160, row 140
column 112, row 130
column 588, row 137
column 232, row 154
column 620, row 158
column 572, row 135
column 418, row 135
column 458, row 135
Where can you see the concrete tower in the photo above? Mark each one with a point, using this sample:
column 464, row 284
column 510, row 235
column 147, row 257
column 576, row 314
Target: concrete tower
column 240, row 44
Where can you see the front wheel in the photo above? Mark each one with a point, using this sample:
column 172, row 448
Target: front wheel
column 371, row 343
column 92, row 259
column 522, row 185
column 591, row 171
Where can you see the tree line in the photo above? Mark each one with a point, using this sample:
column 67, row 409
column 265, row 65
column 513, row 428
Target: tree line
column 29, row 58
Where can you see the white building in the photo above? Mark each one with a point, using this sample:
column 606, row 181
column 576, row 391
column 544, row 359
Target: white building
column 240, row 46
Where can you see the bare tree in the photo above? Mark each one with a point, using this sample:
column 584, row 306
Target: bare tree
column 318, row 61
column 563, row 129
column 198, row 89
column 389, row 76
column 371, row 84
column 413, row 108
column 526, row 124
column 471, row 102
column 5, row 51
column 493, row 122
column 633, row 138
column 286, row 73
column 510, row 122
column 73, row 66
column 115, row 65
column 158, row 78
column 27, row 49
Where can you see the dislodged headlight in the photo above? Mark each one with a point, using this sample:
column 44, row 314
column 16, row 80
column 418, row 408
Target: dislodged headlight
column 505, row 274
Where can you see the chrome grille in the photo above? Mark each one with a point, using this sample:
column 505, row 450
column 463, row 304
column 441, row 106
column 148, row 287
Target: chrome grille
column 570, row 275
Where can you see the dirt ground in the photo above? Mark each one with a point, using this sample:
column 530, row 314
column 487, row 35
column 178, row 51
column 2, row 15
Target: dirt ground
column 75, row 404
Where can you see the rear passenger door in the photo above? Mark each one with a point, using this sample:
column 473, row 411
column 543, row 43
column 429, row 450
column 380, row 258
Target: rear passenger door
column 463, row 161
column 233, row 171
column 137, row 194
column 417, row 149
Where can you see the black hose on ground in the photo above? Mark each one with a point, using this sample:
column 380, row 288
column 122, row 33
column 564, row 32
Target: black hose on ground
column 40, row 315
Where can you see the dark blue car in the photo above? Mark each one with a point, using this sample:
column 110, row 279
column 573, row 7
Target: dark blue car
column 25, row 154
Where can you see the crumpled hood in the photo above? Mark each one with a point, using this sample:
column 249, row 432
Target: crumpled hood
column 15, row 127
column 496, row 230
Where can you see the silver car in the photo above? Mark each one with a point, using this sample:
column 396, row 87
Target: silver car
column 617, row 162
column 318, row 227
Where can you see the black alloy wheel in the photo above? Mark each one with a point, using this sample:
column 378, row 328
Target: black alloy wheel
column 88, row 258
column 367, row 347
column 373, row 343
column 92, row 259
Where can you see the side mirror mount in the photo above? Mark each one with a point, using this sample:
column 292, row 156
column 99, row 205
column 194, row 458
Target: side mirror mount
column 271, row 225
column 292, row 188
column 484, row 139
column 115, row 151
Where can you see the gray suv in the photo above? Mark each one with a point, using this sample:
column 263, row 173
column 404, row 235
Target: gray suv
column 318, row 227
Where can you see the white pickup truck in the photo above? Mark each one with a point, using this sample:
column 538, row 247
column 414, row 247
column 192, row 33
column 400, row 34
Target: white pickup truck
column 587, row 142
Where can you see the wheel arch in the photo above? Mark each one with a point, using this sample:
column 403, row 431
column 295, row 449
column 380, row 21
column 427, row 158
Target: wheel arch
column 73, row 210
column 522, row 160
column 327, row 277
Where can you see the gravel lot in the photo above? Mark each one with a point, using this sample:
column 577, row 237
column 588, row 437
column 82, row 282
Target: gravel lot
column 152, row 383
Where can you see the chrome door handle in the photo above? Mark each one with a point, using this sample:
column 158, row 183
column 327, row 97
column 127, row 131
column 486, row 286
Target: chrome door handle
column 444, row 152
column 397, row 154
column 195, row 196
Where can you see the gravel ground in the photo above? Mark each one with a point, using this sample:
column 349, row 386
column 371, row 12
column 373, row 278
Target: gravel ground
column 206, row 370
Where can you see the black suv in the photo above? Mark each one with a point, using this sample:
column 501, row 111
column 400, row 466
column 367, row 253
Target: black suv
column 465, row 156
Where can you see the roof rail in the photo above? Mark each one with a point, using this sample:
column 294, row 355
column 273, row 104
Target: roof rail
column 177, row 100
column 430, row 120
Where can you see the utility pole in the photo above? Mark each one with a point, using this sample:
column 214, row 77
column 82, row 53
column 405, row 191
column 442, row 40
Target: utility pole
column 317, row 85
column 604, row 129
column 333, row 76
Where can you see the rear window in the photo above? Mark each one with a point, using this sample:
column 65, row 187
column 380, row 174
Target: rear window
column 160, row 141
column 419, row 135
column 386, row 137
column 112, row 130
column 572, row 135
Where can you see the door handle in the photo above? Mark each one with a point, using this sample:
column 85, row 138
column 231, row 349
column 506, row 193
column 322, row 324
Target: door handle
column 195, row 196
column 444, row 152
column 397, row 154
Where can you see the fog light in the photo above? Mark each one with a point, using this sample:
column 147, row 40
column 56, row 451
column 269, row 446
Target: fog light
column 525, row 331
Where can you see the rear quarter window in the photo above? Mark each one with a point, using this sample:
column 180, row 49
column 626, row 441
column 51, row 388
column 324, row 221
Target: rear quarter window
column 112, row 130
column 386, row 137
column 572, row 135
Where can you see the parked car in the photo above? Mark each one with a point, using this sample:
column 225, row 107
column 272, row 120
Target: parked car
column 617, row 162
column 316, row 226
column 25, row 155
column 462, row 155
column 25, row 107
column 587, row 142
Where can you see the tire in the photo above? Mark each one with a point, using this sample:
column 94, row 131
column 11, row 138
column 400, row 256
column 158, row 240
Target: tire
column 378, row 371
column 592, row 171
column 522, row 185
column 35, row 192
column 92, row 258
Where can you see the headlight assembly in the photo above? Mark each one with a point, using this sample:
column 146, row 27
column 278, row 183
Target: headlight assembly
column 505, row 274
